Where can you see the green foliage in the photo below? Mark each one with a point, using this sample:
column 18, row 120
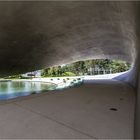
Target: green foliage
column 119, row 66
column 82, row 68
column 68, row 74
column 18, row 76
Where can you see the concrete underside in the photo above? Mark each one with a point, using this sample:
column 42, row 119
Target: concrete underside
column 80, row 112
column 34, row 35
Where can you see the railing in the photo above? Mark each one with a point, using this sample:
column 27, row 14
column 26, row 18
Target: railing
column 99, row 71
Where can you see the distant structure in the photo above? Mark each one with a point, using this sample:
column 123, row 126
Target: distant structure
column 97, row 70
column 33, row 74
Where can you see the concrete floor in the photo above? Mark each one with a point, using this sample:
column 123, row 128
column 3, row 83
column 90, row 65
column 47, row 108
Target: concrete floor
column 80, row 112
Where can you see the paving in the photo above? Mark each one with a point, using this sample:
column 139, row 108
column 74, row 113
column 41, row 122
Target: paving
column 98, row 109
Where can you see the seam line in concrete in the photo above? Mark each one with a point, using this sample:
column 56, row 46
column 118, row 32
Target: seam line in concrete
column 58, row 122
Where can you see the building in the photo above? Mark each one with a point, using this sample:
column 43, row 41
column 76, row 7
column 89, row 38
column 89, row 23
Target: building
column 33, row 74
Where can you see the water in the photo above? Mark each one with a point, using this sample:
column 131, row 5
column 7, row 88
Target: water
column 10, row 90
column 13, row 89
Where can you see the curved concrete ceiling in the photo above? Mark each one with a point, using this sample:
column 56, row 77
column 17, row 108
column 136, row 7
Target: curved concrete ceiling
column 34, row 35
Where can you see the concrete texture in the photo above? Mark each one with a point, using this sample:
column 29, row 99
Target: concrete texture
column 81, row 112
column 34, row 35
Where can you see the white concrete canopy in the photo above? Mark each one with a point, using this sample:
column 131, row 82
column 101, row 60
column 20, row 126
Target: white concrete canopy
column 35, row 35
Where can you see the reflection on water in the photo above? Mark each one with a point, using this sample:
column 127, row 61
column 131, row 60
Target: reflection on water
column 9, row 90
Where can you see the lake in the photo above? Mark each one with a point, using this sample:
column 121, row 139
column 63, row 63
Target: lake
column 10, row 90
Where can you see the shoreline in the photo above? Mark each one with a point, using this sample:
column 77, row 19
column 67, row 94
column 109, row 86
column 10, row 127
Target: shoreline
column 58, row 80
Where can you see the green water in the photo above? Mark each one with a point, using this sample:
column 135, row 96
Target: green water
column 9, row 90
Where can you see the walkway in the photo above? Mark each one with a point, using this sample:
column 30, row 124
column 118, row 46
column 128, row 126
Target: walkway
column 102, row 109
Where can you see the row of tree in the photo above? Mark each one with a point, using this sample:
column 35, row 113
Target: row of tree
column 85, row 68
column 88, row 67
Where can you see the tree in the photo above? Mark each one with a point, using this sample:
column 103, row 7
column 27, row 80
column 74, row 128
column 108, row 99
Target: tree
column 82, row 67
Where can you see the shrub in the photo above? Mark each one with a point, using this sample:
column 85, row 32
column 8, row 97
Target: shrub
column 68, row 74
